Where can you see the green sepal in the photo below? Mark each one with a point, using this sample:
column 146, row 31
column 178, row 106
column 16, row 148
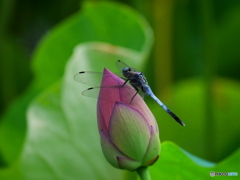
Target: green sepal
column 129, row 131
column 110, row 151
column 129, row 164
column 153, row 150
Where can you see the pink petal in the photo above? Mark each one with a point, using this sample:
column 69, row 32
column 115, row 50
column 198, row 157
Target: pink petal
column 107, row 98
column 101, row 121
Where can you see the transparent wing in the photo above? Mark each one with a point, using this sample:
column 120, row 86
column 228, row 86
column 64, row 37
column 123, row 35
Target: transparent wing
column 94, row 91
column 90, row 78
column 91, row 92
column 127, row 96
column 121, row 65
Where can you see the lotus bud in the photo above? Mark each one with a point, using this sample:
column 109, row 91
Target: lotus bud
column 128, row 131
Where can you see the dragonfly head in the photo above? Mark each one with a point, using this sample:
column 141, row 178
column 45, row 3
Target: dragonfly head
column 126, row 72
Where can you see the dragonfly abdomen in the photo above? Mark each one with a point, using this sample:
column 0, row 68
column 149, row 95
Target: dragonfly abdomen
column 166, row 109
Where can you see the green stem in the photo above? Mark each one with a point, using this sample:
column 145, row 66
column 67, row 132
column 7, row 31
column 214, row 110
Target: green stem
column 162, row 22
column 208, row 31
column 143, row 173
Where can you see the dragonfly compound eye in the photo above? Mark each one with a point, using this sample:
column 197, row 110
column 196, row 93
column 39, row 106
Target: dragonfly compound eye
column 126, row 70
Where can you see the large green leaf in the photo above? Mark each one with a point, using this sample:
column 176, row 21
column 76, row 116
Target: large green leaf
column 61, row 148
column 174, row 163
column 105, row 21
column 63, row 140
column 188, row 102
column 11, row 173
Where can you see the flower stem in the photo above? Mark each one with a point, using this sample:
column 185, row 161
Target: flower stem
column 143, row 173
column 210, row 63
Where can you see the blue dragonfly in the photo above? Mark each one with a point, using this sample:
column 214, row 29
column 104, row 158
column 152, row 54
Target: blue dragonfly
column 136, row 78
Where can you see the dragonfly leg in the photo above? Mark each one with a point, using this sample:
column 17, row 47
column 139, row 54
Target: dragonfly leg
column 134, row 88
column 125, row 82
column 134, row 94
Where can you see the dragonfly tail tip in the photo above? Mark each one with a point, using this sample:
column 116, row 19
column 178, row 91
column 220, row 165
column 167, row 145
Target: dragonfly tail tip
column 182, row 123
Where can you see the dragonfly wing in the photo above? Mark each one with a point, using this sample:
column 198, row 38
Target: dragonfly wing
column 112, row 92
column 121, row 65
column 92, row 92
column 89, row 77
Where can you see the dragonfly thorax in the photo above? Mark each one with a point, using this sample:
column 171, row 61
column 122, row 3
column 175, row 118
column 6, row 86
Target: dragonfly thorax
column 137, row 79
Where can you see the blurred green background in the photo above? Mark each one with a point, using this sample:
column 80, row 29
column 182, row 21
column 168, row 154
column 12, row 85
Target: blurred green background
column 192, row 65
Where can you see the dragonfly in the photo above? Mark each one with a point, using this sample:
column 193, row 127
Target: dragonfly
column 136, row 79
